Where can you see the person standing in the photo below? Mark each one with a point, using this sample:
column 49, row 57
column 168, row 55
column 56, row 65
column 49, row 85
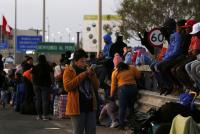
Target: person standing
column 81, row 82
column 42, row 75
column 108, row 43
column 27, row 64
column 58, row 75
column 1, row 63
column 118, row 46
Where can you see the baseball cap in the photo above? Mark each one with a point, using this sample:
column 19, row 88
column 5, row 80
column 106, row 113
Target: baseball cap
column 72, row 56
column 181, row 22
column 189, row 23
column 195, row 28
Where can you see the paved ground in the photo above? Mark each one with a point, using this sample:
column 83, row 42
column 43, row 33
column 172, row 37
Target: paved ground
column 15, row 123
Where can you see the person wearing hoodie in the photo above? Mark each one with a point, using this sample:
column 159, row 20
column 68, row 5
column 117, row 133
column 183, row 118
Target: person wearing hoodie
column 170, row 58
column 108, row 43
column 118, row 46
column 174, row 50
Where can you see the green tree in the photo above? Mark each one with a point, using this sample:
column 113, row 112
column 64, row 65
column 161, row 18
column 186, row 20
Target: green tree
column 139, row 15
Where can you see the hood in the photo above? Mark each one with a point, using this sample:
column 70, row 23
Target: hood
column 107, row 38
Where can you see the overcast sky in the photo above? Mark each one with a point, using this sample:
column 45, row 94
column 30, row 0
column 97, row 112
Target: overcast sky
column 60, row 14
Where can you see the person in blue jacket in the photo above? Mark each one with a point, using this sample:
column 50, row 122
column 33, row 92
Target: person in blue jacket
column 108, row 43
column 173, row 52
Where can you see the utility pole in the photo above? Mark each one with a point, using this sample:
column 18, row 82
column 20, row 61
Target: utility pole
column 78, row 40
column 99, row 47
column 44, row 17
column 15, row 34
column 48, row 32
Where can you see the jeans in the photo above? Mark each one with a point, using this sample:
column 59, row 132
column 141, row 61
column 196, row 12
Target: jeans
column 85, row 123
column 182, row 75
column 4, row 97
column 127, row 96
column 42, row 100
column 192, row 70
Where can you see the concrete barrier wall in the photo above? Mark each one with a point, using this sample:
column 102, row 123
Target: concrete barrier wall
column 148, row 99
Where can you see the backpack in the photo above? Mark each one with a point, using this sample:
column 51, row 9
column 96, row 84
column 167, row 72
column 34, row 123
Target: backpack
column 187, row 99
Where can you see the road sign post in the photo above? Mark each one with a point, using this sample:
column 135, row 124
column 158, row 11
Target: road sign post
column 155, row 37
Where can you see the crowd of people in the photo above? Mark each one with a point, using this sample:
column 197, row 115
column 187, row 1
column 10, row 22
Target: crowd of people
column 71, row 87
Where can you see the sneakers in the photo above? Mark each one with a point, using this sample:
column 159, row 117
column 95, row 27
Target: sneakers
column 44, row 118
column 38, row 118
column 114, row 124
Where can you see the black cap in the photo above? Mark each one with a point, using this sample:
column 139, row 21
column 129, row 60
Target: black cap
column 181, row 22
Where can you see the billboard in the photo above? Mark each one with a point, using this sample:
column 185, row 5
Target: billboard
column 110, row 23
column 52, row 47
column 25, row 43
column 3, row 44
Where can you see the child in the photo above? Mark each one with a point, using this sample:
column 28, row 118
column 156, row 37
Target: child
column 109, row 109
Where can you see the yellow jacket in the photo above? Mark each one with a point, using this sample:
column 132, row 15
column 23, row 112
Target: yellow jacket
column 71, row 81
column 125, row 77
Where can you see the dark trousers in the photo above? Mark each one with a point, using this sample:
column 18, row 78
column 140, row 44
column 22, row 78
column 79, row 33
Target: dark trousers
column 165, row 78
column 42, row 100
column 127, row 96
column 85, row 123
column 165, row 70
column 162, row 74
column 180, row 73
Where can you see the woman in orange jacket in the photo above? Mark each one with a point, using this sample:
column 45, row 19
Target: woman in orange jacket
column 81, row 82
column 124, row 80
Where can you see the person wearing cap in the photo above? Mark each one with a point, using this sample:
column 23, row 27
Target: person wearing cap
column 194, row 49
column 186, row 39
column 124, row 80
column 173, row 52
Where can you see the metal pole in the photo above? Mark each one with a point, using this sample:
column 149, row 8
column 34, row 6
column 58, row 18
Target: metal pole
column 48, row 32
column 15, row 34
column 99, row 27
column 44, row 16
column 78, row 43
column 69, row 37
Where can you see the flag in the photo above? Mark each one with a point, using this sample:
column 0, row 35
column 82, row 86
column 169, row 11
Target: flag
column 6, row 28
